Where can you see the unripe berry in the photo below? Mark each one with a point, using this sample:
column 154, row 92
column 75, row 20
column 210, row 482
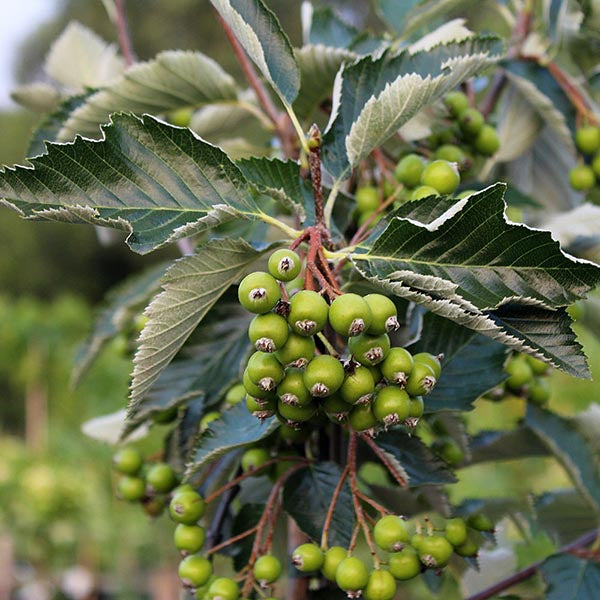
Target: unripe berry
column 332, row 559
column 349, row 315
column 487, row 141
column 161, row 478
column 456, row 531
column 520, row 374
column 261, row 408
column 235, row 394
column 423, row 191
column 293, row 435
column 480, row 522
column 408, row 170
column 194, row 570
column 415, row 412
column 384, row 314
column 449, row 450
column 292, row 390
column 391, row 405
column 582, row 178
column 268, row 332
column 369, row 350
column 390, row 533
column 267, row 569
column 223, row 588
column 435, row 551
column 587, row 139
column 307, row 558
column 189, row 539
column 367, row 199
column 442, row 176
column 539, row 392
column 127, row 461
column 253, row 458
column 421, row 380
column 352, row 574
column 297, row 351
column 259, row 292
column 335, row 408
column 253, row 390
column 361, row 417
column 187, row 507
column 405, row 564
column 324, row 375
column 456, row 102
column 450, row 153
column 432, row 361
column 131, row 488
column 265, row 371
column 308, row 312
column 296, row 414
column 469, row 548
column 471, row 121
column 285, row 265
column 596, row 165
column 155, row 506
column 381, row 586
column 539, row 367
column 397, row 366
column 358, row 386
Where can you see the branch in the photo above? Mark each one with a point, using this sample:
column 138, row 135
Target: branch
column 217, row 522
column 331, row 509
column 123, row 33
column 384, row 459
column 314, row 159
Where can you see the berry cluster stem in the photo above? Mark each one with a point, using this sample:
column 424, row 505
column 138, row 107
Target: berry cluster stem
column 399, row 477
column 332, row 505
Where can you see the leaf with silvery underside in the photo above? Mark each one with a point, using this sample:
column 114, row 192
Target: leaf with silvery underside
column 174, row 79
column 569, row 577
column 373, row 98
column 191, row 287
column 259, row 32
column 157, row 182
column 39, row 97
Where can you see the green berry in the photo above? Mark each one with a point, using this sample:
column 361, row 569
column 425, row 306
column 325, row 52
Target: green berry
column 235, row 394
column 323, row 375
column 261, row 408
column 416, row 540
column 253, row 458
column 390, row 533
column 539, row 367
column 470, row 122
column 259, row 292
column 456, row 102
column 292, row 390
column 408, row 170
column 223, row 588
column 391, row 405
column 421, row 380
column 431, row 360
column 255, row 391
column 423, row 191
column 456, row 531
column 187, row 507
column 539, row 392
column 293, row 435
column 367, row 199
column 596, row 165
column 435, row 551
column 397, row 366
column 297, row 351
column 480, row 522
column 358, row 386
column 131, row 488
column 381, row 586
column 487, row 141
column 415, row 411
column 267, row 569
column 361, row 417
column 587, row 139
column 582, row 178
column 331, row 561
column 189, row 538
column 161, row 478
column 469, row 548
column 335, row 408
column 268, row 332
column 450, row 153
column 155, row 506
column 442, row 176
column 351, row 574
column 181, row 117
column 405, row 564
column 520, row 374
column 127, row 461
column 296, row 414
column 194, row 570
column 450, row 451
column 307, row 558
column 349, row 315
column 368, row 349
column 384, row 314
column 265, row 371
column 285, row 265
column 308, row 312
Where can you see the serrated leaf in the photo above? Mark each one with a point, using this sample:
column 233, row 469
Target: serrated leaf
column 157, row 182
column 190, row 288
column 80, row 59
column 377, row 96
column 39, row 97
column 235, row 429
column 427, row 12
column 574, row 226
column 571, row 578
column 174, row 79
column 394, row 12
column 570, row 448
column 505, row 445
column 306, row 498
column 122, row 303
column 259, row 32
column 327, row 28
column 417, row 460
column 452, row 31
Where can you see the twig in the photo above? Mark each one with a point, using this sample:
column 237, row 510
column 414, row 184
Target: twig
column 221, row 512
column 488, row 104
column 385, row 460
column 378, row 507
column 123, row 33
column 232, row 540
column 359, row 236
column 332, row 504
column 314, row 161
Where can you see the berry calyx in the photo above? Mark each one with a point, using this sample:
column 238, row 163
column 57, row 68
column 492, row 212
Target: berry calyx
column 187, row 507
column 131, row 488
column 351, row 574
column 369, row 350
column 189, row 539
column 405, row 564
column 254, row 458
column 421, row 380
column 128, row 461
column 223, row 588
column 161, row 478
column 381, row 586
column 336, row 408
column 435, row 551
column 267, row 569
column 308, row 312
column 358, row 386
column 409, row 169
column 253, row 390
column 307, row 558
column 285, row 265
column 390, row 533
column 442, row 176
column 384, row 314
column 391, row 405
column 268, row 332
column 331, row 561
column 259, row 292
column 350, row 315
column 260, row 408
column 323, row 375
column 397, row 366
column 194, row 570
column 456, row 531
column 265, row 371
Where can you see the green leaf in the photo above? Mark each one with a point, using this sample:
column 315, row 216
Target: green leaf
column 394, row 12
column 428, row 12
column 327, row 28
column 174, row 79
column 159, row 183
column 235, row 429
column 505, row 445
column 190, row 289
column 259, row 32
column 570, row 448
column 417, row 460
column 122, row 304
column 571, row 578
column 306, row 498
column 374, row 97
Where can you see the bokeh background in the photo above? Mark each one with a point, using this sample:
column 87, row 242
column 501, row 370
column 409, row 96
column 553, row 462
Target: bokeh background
column 62, row 532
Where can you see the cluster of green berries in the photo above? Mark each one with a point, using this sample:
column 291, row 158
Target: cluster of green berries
column 376, row 386
column 586, row 174
column 527, row 377
column 139, row 481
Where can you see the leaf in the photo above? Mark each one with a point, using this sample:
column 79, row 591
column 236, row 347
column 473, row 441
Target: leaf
column 306, row 498
column 235, row 429
column 570, row 448
column 505, row 445
column 395, row 11
column 122, row 303
column 472, row 365
column 419, row 462
column 174, row 79
column 80, row 59
column 452, row 31
column 159, row 183
column 39, row 97
column 259, row 32
column 190, row 288
column 377, row 96
column 579, row 224
column 327, row 28
column 110, row 429
column 427, row 12
column 571, row 578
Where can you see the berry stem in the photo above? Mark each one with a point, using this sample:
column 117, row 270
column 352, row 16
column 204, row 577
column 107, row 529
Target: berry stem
column 354, row 538
column 378, row 507
column 328, row 345
column 399, row 477
column 332, row 504
column 232, row 540
column 123, row 33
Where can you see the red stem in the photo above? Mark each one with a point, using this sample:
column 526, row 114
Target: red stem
column 123, row 33
column 332, row 504
column 384, row 459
